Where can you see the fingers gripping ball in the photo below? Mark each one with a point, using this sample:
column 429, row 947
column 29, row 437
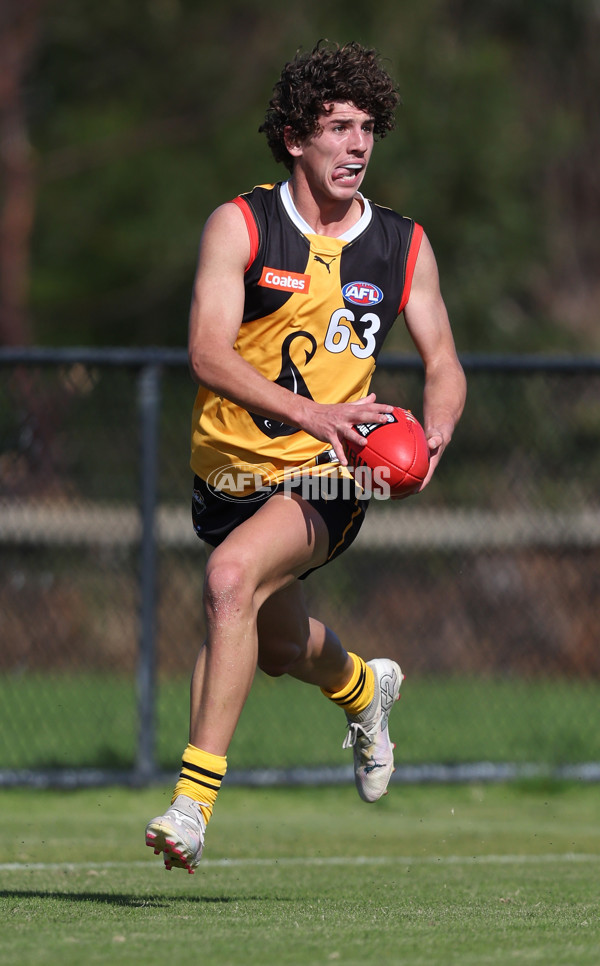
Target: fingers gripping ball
column 396, row 453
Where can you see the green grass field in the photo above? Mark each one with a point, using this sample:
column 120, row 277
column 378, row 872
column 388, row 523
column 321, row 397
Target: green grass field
column 466, row 875
column 89, row 720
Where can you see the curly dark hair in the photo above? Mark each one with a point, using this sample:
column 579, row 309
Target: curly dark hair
column 330, row 72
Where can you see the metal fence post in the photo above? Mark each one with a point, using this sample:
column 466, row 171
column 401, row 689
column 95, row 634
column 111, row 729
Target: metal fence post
column 531, row 552
column 149, row 395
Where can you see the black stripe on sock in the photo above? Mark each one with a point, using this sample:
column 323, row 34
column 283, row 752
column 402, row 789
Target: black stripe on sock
column 201, row 771
column 356, row 690
column 198, row 781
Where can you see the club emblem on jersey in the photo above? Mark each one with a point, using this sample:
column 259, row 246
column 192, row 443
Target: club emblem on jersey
column 362, row 293
column 290, row 377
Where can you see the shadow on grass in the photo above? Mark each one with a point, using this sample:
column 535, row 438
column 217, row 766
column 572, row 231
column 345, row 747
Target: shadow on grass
column 119, row 899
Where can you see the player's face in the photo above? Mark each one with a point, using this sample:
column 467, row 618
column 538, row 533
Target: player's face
column 334, row 161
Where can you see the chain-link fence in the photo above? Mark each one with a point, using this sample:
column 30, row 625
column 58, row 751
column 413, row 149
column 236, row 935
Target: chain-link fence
column 485, row 587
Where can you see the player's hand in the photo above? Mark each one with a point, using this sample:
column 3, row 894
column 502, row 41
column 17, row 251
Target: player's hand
column 334, row 424
column 437, row 444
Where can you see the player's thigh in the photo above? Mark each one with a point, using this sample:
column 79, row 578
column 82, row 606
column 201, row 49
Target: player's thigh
column 265, row 553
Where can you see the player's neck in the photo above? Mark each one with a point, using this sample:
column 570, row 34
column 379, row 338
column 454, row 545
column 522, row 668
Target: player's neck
column 326, row 216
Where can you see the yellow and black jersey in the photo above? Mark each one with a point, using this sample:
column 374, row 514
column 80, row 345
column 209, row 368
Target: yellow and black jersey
column 316, row 313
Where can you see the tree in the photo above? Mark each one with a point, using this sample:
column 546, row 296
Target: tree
column 19, row 23
column 143, row 116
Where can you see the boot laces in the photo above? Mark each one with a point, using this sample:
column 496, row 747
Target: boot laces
column 361, row 733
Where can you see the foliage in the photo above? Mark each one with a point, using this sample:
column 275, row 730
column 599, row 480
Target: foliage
column 143, row 116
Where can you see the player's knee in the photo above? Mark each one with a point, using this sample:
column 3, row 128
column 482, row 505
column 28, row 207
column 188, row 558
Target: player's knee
column 226, row 589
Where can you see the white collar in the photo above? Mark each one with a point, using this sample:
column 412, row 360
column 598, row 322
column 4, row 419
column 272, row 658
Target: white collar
column 353, row 232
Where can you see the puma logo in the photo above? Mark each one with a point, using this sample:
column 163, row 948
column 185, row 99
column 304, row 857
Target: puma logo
column 323, row 262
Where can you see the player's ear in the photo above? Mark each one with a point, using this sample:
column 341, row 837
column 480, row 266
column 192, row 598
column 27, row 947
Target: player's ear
column 292, row 142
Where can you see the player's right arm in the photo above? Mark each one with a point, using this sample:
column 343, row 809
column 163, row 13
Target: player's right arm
column 427, row 321
column 215, row 318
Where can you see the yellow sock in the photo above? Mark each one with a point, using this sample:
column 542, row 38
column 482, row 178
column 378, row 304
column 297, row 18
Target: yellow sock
column 358, row 693
column 200, row 778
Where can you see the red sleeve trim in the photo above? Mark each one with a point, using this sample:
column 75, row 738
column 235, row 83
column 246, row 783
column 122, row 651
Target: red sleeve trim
column 411, row 261
column 251, row 225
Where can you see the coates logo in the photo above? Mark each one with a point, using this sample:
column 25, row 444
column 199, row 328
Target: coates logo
column 362, row 293
column 285, row 281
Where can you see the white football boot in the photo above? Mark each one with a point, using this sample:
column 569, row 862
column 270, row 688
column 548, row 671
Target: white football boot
column 179, row 833
column 368, row 733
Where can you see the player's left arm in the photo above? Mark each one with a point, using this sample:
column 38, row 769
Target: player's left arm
column 427, row 321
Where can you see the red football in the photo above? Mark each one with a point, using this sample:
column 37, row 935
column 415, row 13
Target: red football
column 396, row 454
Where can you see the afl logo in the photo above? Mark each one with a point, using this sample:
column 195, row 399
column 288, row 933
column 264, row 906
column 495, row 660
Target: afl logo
column 236, row 480
column 362, row 293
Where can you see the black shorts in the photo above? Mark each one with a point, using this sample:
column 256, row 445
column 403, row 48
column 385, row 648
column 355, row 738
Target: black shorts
column 339, row 502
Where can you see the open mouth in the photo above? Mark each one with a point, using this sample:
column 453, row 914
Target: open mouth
column 347, row 173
